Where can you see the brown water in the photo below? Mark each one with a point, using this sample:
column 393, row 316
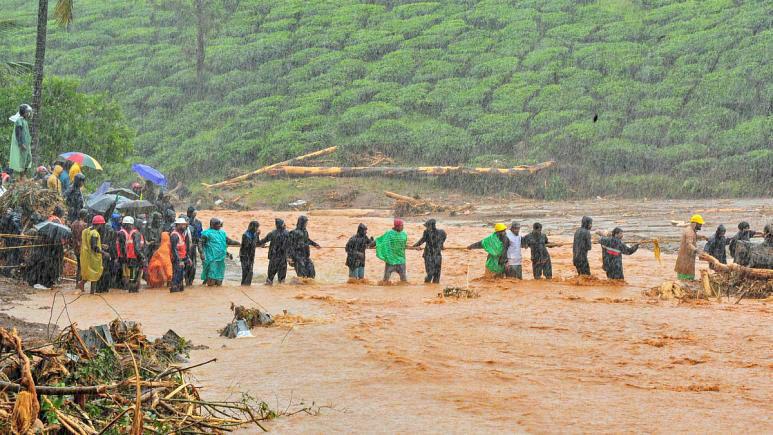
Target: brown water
column 525, row 356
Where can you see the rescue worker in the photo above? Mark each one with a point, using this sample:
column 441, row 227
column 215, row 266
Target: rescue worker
column 111, row 275
column 513, row 269
column 194, row 228
column 716, row 245
column 355, row 252
column 74, row 197
column 57, row 215
column 496, row 246
column 180, row 246
column 768, row 234
column 299, row 252
column 250, row 240
column 53, row 182
column 581, row 246
column 130, row 248
column 390, row 248
column 92, row 254
column 278, row 240
column 164, row 204
column 612, row 250
column 433, row 239
column 214, row 250
column 160, row 270
column 77, row 228
column 744, row 234
column 541, row 265
column 74, row 170
column 10, row 223
column 64, row 177
column 688, row 249
column 169, row 219
column 20, row 159
column 41, row 176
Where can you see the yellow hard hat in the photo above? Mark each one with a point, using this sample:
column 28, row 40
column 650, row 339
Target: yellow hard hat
column 499, row 227
column 697, row 219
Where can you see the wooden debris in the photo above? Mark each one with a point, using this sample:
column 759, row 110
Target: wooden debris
column 386, row 171
column 245, row 177
column 742, row 270
column 129, row 386
column 459, row 293
column 410, row 206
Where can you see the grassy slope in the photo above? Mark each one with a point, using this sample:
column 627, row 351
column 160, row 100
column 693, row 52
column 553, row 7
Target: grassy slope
column 682, row 89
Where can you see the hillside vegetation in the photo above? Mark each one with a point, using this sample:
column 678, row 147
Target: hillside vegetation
column 681, row 91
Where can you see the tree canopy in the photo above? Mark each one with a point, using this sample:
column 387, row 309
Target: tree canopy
column 637, row 97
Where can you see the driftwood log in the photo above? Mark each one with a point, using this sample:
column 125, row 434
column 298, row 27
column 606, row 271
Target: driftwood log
column 743, row 270
column 367, row 171
column 294, row 160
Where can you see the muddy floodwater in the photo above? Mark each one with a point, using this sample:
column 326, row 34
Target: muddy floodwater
column 525, row 356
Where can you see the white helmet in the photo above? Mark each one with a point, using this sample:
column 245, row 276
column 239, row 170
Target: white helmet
column 128, row 220
column 181, row 220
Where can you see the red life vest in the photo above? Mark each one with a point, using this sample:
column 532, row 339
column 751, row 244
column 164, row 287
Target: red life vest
column 131, row 250
column 182, row 249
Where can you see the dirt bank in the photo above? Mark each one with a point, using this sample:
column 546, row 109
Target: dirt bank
column 566, row 355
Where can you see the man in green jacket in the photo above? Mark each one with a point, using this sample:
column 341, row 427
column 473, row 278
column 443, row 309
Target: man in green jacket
column 390, row 248
column 21, row 142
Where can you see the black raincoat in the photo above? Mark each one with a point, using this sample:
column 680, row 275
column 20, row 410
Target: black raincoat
column 277, row 251
column 356, row 246
column 299, row 251
column 540, row 257
column 74, row 199
column 581, row 246
column 612, row 251
column 152, row 233
column 433, row 239
column 716, row 245
column 249, row 243
column 10, row 223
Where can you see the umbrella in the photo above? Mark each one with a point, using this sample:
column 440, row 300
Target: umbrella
column 53, row 230
column 139, row 206
column 121, row 191
column 149, row 173
column 102, row 203
column 102, row 188
column 82, row 159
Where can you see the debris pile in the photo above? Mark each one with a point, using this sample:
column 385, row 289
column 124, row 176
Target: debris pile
column 110, row 379
column 415, row 206
column 459, row 293
column 736, row 284
column 29, row 197
column 244, row 320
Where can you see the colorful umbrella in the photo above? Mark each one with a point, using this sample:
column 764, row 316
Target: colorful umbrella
column 149, row 173
column 82, row 159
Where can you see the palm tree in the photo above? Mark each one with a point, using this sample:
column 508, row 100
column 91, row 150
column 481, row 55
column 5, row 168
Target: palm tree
column 63, row 16
column 10, row 69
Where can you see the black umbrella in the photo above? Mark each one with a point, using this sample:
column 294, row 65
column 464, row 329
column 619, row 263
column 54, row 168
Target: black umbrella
column 135, row 207
column 53, row 230
column 102, row 203
column 122, row 191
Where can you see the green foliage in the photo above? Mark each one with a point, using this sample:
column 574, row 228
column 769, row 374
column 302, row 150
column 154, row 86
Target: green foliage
column 681, row 89
column 74, row 121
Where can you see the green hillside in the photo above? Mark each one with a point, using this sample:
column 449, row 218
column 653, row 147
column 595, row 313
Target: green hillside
column 682, row 90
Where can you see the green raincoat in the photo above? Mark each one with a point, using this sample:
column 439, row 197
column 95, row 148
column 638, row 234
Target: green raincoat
column 390, row 248
column 493, row 247
column 215, row 244
column 21, row 158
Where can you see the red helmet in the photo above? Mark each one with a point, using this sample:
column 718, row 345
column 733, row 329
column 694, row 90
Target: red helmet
column 98, row 220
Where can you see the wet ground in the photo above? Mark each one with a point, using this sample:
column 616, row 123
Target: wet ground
column 568, row 355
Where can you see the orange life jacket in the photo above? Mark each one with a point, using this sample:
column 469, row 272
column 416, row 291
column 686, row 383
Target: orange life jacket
column 131, row 250
column 182, row 249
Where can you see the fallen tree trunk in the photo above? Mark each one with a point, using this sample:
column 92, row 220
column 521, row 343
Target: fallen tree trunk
column 743, row 270
column 247, row 176
column 408, row 199
column 367, row 171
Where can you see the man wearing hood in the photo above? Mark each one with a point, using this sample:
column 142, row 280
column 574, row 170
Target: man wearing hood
column 581, row 246
column 277, row 252
column 21, row 142
column 612, row 250
column 537, row 241
column 214, row 249
column 744, row 234
column 716, row 245
column 433, row 250
column 53, row 182
column 195, row 228
column 390, row 248
column 152, row 234
column 250, row 240
column 74, row 197
column 300, row 254
column 355, row 252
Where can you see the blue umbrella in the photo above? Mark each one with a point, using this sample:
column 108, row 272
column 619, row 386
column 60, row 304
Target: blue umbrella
column 149, row 173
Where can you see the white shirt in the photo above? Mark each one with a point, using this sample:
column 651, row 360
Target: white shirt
column 514, row 250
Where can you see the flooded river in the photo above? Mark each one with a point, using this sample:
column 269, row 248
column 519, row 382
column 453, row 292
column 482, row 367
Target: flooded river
column 525, row 356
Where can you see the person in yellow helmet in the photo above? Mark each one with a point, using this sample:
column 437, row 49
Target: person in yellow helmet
column 495, row 245
column 688, row 249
